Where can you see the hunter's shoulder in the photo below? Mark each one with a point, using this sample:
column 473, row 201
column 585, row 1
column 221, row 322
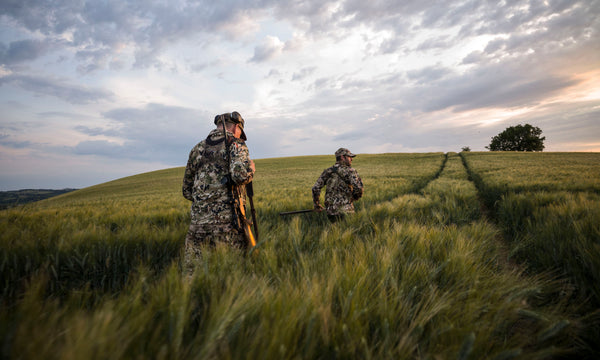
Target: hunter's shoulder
column 330, row 170
column 344, row 168
column 199, row 146
column 238, row 141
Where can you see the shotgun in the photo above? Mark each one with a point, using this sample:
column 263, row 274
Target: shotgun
column 297, row 212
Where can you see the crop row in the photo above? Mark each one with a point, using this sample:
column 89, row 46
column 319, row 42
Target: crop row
column 549, row 209
column 549, row 206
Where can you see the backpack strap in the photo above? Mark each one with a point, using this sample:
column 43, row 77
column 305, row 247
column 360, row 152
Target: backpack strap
column 208, row 141
column 211, row 142
column 334, row 170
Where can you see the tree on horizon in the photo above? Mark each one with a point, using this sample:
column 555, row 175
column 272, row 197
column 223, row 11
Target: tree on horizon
column 518, row 138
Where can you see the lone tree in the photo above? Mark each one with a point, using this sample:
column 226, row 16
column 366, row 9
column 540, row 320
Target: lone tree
column 518, row 138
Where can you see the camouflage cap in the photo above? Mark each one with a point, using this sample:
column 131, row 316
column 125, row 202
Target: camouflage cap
column 343, row 152
column 233, row 117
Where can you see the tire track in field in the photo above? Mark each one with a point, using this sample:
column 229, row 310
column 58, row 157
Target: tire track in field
column 485, row 210
column 457, row 196
column 441, row 199
column 420, row 186
column 487, row 215
column 453, row 193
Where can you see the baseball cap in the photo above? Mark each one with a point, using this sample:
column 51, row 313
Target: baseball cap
column 235, row 118
column 343, row 152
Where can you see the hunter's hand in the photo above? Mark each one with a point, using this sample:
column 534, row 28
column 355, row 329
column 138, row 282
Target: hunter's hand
column 318, row 207
column 252, row 166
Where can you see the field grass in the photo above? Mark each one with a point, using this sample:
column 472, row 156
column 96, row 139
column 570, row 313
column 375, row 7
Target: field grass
column 549, row 206
column 422, row 270
column 498, row 173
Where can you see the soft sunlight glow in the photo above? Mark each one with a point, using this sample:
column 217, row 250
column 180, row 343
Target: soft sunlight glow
column 589, row 89
column 4, row 71
column 492, row 117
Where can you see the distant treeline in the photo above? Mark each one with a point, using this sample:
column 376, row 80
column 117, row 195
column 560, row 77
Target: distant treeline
column 10, row 199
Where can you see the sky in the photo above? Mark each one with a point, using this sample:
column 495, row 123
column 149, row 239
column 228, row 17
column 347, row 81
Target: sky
column 92, row 91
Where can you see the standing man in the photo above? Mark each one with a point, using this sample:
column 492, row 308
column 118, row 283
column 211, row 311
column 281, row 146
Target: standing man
column 344, row 186
column 210, row 173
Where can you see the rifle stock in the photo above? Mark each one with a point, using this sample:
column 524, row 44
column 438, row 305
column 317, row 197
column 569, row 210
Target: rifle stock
column 245, row 224
column 250, row 193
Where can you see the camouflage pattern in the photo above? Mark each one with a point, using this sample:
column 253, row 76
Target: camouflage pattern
column 343, row 152
column 204, row 183
column 343, row 187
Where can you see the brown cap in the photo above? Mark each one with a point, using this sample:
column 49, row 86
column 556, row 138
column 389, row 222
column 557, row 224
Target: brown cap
column 343, row 152
column 235, row 118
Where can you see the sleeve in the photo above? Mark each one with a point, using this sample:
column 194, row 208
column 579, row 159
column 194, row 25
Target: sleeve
column 190, row 173
column 239, row 167
column 316, row 189
column 357, row 185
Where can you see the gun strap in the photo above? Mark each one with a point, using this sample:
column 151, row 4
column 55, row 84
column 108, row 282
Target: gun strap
column 334, row 170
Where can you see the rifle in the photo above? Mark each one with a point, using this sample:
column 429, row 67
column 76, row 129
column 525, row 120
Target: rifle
column 240, row 222
column 296, row 212
column 250, row 193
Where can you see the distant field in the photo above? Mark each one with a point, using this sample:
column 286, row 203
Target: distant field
column 454, row 256
column 19, row 197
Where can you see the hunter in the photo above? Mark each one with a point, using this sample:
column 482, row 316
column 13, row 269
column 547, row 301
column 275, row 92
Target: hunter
column 344, row 186
column 210, row 174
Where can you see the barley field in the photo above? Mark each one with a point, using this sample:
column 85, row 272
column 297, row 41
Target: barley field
column 449, row 256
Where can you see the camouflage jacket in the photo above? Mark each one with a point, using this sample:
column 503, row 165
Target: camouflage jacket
column 343, row 187
column 204, row 185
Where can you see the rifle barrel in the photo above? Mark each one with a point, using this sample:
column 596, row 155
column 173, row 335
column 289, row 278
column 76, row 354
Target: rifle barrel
column 296, row 212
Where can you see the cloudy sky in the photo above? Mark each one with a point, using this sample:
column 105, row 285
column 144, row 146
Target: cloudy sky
column 93, row 90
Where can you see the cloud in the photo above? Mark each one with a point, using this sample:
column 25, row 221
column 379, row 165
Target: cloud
column 440, row 42
column 126, row 81
column 98, row 131
column 22, row 51
column 98, row 31
column 303, row 73
column 153, row 133
column 269, row 49
column 486, row 86
column 566, row 122
column 482, row 90
column 103, row 148
column 428, row 74
column 474, row 58
column 5, row 140
column 50, row 86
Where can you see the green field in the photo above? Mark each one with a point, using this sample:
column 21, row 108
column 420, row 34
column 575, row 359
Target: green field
column 449, row 256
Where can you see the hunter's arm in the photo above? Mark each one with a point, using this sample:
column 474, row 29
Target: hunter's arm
column 357, row 185
column 190, row 173
column 316, row 189
column 240, row 166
